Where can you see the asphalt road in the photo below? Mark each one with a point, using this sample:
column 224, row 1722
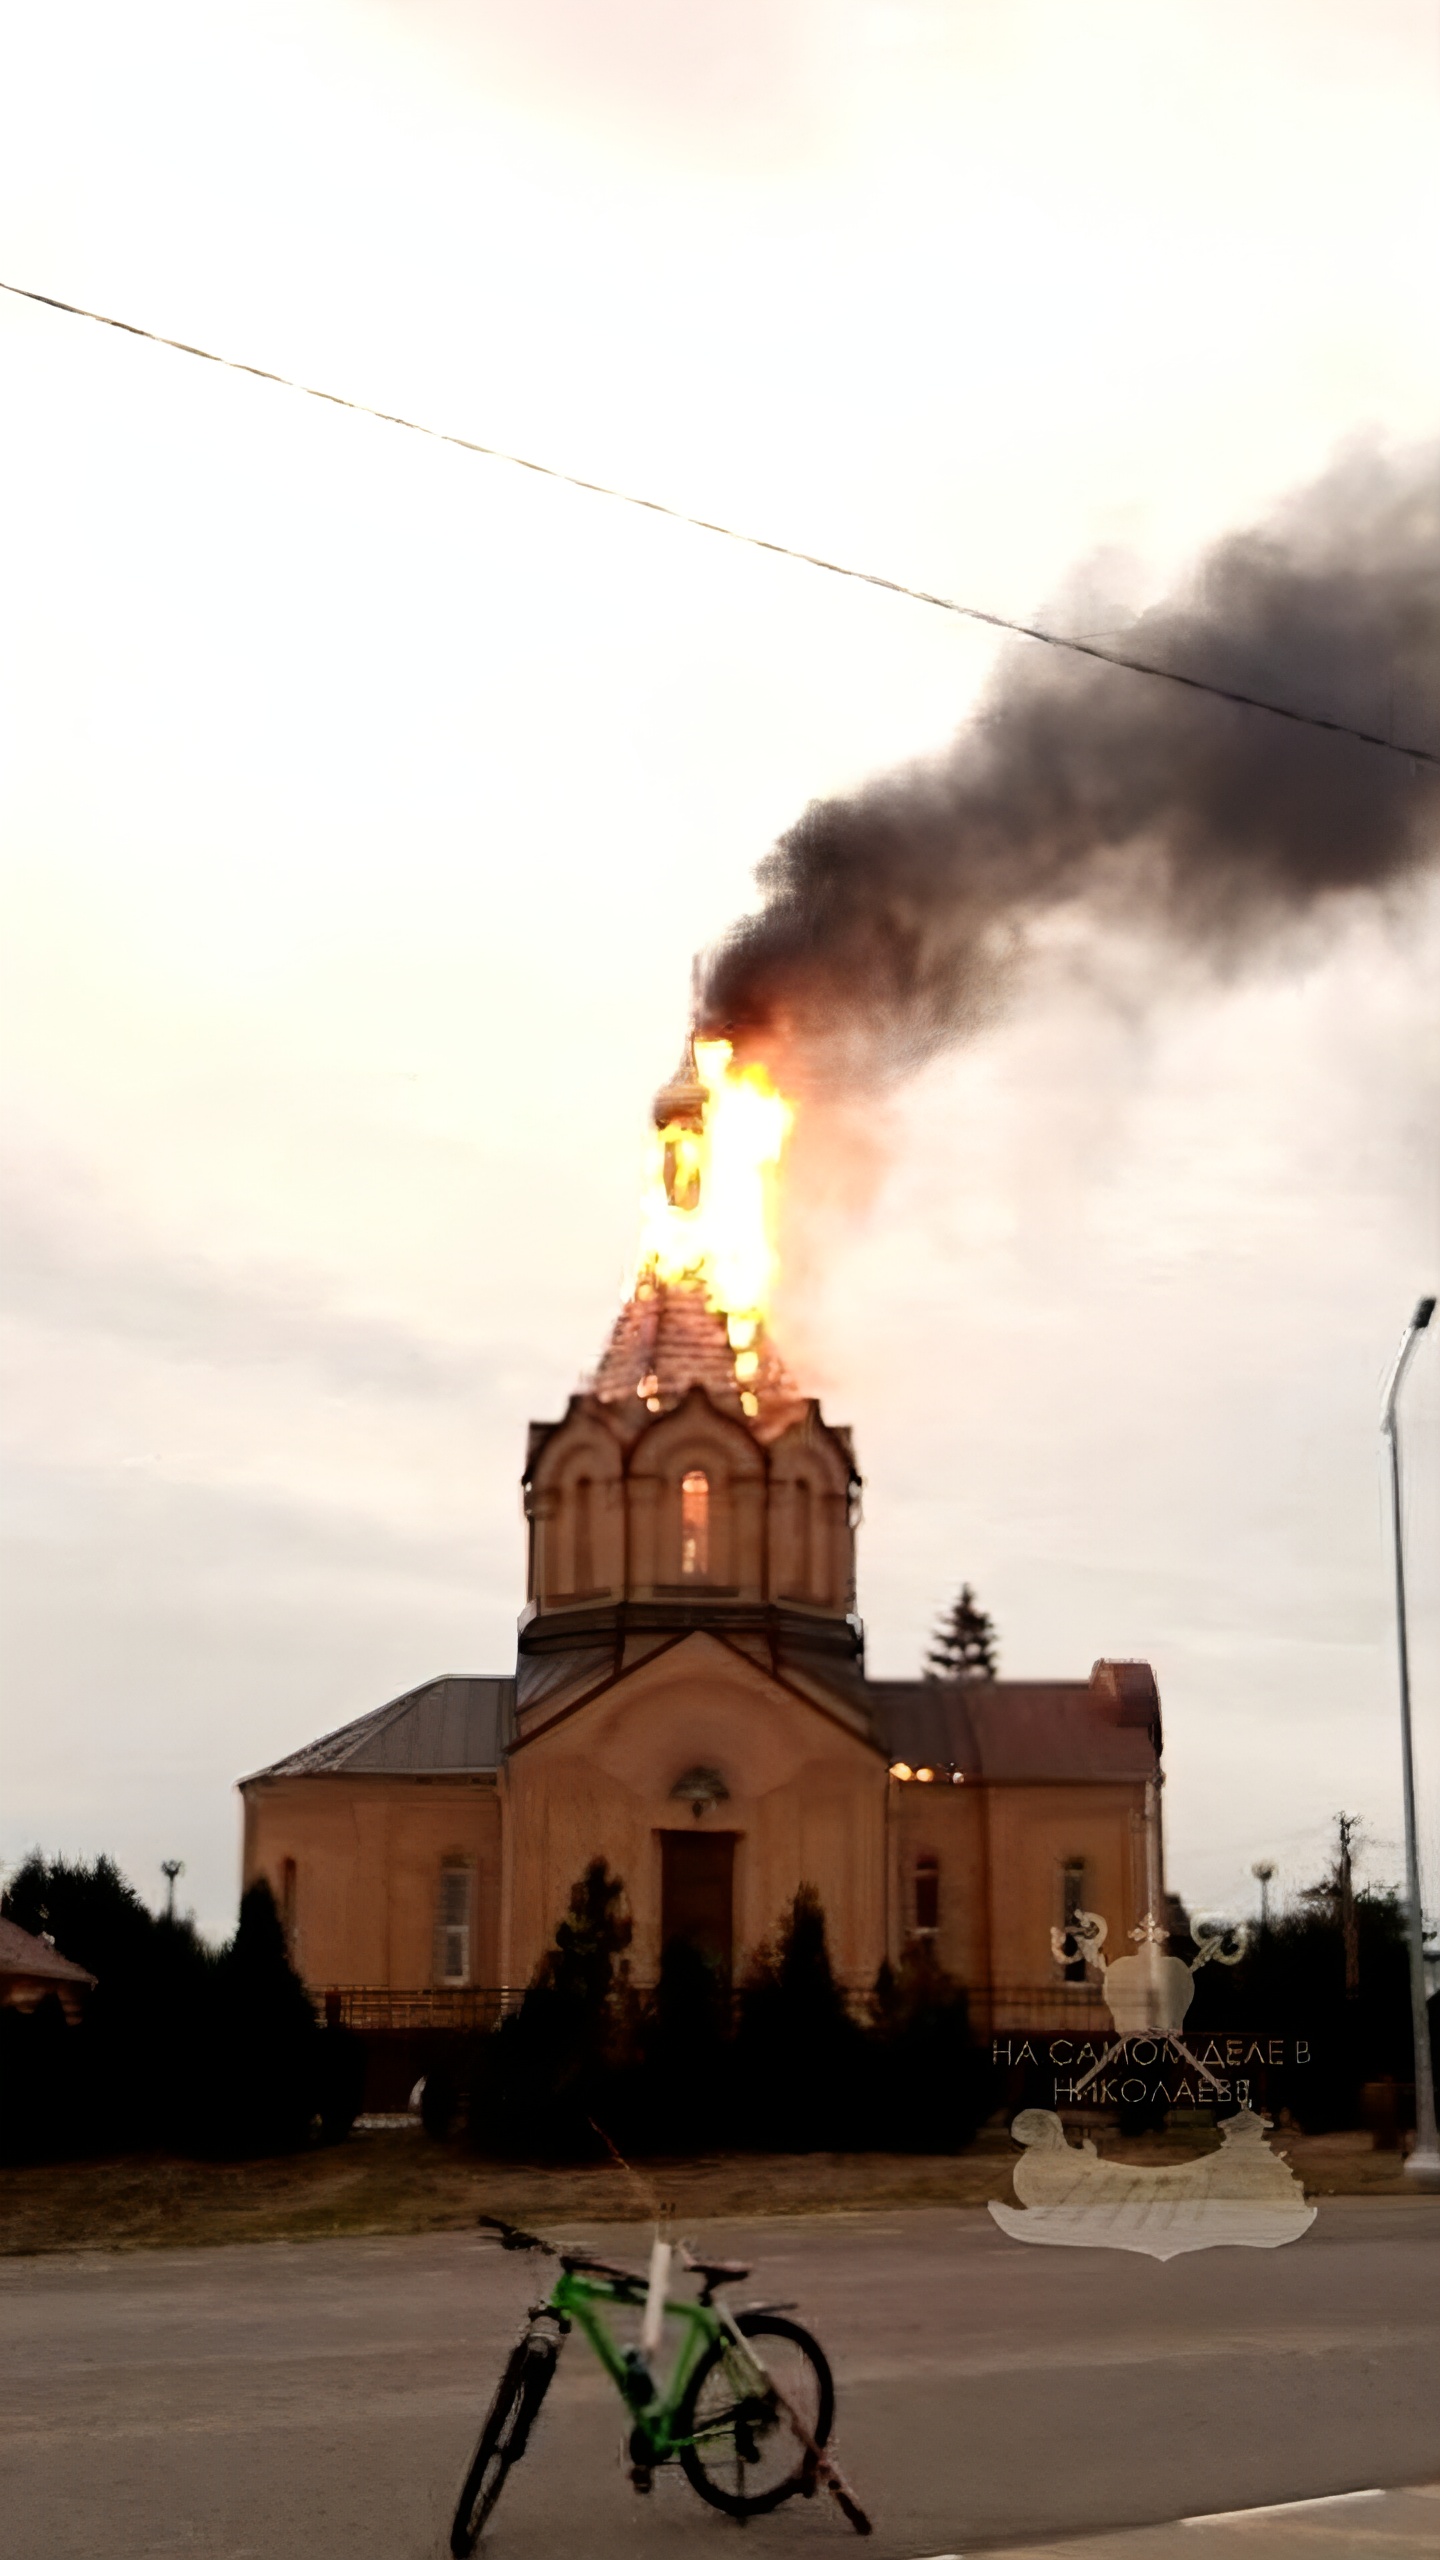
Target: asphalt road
column 321, row 2399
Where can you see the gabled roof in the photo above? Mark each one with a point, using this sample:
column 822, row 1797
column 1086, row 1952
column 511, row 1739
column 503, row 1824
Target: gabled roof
column 458, row 1723
column 33, row 1959
column 810, row 1663
column 1025, row 1731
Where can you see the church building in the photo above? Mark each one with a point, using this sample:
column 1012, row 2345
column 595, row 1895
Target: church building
column 690, row 1699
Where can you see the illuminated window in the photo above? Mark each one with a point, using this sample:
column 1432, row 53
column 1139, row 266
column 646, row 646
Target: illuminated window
column 927, row 1896
column 694, row 1524
column 452, row 1925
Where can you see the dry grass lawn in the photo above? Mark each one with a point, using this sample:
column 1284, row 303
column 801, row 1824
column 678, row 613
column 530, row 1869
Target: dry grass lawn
column 395, row 2180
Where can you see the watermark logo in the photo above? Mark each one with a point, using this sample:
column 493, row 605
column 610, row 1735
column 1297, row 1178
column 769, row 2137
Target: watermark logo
column 1241, row 2195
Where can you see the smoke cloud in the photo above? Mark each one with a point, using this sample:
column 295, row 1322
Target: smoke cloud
column 895, row 921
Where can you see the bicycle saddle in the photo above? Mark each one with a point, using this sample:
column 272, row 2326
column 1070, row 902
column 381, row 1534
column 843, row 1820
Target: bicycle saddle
column 713, row 2271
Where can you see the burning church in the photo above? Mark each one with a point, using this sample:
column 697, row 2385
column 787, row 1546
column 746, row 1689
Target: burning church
column 690, row 1698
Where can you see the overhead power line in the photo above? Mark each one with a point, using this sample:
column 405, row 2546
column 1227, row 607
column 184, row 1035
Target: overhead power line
column 734, row 533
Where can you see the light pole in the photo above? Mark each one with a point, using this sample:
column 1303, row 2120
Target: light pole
column 170, row 1868
column 1423, row 2164
column 1263, row 1872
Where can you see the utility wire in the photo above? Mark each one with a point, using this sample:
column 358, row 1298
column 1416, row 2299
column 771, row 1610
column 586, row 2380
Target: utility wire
column 733, row 533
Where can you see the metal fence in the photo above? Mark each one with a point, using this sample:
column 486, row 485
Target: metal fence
column 413, row 2012
column 1040, row 2008
column 1046, row 2008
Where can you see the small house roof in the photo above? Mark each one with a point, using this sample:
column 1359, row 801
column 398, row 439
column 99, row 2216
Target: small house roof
column 32, row 1959
column 458, row 1723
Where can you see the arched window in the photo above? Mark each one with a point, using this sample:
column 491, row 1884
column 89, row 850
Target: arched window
column 694, row 1525
column 582, row 1551
column 927, row 1896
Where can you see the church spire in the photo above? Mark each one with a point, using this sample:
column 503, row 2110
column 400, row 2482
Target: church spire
column 707, row 1260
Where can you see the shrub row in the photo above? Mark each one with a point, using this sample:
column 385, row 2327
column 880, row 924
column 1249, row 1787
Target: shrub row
column 179, row 2048
column 784, row 2065
column 1291, row 1982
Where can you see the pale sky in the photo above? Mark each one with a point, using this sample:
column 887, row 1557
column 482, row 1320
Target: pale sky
column 364, row 802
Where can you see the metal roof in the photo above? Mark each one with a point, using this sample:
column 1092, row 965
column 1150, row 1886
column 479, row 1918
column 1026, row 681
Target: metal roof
column 1103, row 1728
column 1021, row 1730
column 459, row 1722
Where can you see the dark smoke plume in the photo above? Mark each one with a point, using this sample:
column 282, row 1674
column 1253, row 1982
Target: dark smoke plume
column 894, row 920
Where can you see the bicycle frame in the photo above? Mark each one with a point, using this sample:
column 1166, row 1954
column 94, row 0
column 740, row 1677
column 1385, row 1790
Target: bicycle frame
column 576, row 2301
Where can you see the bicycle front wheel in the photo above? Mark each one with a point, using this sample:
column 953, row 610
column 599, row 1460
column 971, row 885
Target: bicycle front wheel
column 503, row 2438
column 744, row 2454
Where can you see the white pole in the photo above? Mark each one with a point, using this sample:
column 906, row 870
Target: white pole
column 1423, row 2164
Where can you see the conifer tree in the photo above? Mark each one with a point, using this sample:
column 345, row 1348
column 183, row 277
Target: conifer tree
column 964, row 1646
column 545, row 2075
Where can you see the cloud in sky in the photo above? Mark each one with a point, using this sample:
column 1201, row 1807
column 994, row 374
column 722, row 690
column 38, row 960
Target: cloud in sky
column 364, row 805
column 64, row 1271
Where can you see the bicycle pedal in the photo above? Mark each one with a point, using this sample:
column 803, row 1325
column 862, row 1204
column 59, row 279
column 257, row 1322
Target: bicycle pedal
column 642, row 2479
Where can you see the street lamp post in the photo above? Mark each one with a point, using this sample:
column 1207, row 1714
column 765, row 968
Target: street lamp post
column 1423, row 2164
column 1263, row 1872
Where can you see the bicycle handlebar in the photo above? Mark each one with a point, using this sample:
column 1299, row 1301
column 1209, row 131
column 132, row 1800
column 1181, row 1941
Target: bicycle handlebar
column 512, row 2237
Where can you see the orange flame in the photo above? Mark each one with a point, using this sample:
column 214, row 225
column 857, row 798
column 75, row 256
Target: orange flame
column 710, row 1199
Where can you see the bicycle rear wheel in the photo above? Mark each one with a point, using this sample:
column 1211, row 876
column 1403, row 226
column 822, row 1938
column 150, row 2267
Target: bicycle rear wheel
column 744, row 2455
column 503, row 2438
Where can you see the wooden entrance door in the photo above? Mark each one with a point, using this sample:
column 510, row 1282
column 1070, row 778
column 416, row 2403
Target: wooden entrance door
column 697, row 1893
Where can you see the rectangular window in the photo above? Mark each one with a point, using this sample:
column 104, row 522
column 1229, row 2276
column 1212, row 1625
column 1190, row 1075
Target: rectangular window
column 289, row 1878
column 452, row 1926
column 927, row 1897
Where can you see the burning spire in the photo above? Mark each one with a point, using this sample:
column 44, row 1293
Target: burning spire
column 709, row 1209
column 708, row 1260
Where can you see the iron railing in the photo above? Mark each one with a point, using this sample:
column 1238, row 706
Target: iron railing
column 379, row 2012
column 1046, row 2008
column 1041, row 2008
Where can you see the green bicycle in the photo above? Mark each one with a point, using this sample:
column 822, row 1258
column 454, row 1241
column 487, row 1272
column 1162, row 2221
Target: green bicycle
column 747, row 2409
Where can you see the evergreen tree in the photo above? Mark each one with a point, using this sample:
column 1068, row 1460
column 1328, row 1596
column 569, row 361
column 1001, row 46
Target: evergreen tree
column 798, row 2052
column 964, row 1646
column 258, row 2083
column 926, row 2091
column 123, row 2077
column 547, row 2072
column 683, row 2099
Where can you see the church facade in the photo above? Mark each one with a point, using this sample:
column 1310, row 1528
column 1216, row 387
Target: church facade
column 690, row 1702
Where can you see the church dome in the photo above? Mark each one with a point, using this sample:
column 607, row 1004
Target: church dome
column 668, row 1339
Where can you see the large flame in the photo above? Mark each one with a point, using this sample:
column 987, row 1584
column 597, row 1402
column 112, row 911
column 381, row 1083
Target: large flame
column 711, row 1190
